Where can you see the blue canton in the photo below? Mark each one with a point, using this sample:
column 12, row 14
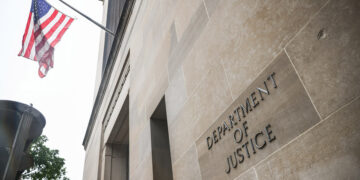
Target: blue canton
column 39, row 8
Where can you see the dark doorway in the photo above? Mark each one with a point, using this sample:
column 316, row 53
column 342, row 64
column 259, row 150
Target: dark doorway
column 161, row 158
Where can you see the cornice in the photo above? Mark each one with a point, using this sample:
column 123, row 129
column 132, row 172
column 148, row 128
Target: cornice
column 120, row 32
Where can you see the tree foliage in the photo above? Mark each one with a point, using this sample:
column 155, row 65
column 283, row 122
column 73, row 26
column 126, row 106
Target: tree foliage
column 47, row 163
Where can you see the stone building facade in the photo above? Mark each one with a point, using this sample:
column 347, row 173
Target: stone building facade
column 227, row 89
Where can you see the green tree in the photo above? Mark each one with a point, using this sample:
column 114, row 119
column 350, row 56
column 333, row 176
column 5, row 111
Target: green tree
column 47, row 163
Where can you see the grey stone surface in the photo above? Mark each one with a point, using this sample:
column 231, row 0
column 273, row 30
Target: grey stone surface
column 330, row 150
column 137, row 121
column 200, row 110
column 329, row 62
column 211, row 6
column 192, row 32
column 185, row 10
column 251, row 33
column 287, row 109
column 175, row 95
column 203, row 58
column 144, row 171
column 208, row 56
column 187, row 168
column 139, row 148
column 248, row 175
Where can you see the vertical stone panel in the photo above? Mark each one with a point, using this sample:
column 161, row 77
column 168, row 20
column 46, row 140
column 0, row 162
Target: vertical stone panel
column 153, row 70
column 190, row 35
column 137, row 117
column 144, row 171
column 185, row 9
column 187, row 167
column 175, row 95
column 201, row 109
column 139, row 149
column 92, row 164
column 327, row 55
column 201, row 59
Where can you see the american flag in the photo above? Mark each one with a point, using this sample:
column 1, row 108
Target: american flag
column 44, row 29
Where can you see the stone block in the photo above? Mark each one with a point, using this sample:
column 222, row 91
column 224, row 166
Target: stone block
column 186, row 42
column 92, row 164
column 248, row 175
column 175, row 96
column 140, row 148
column 326, row 54
column 137, row 121
column 180, row 131
column 207, row 102
column 211, row 6
column 153, row 73
column 144, row 170
column 251, row 33
column 187, row 167
column 203, row 57
column 185, row 10
column 266, row 123
column 330, row 150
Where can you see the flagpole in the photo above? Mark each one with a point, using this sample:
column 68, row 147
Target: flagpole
column 88, row 18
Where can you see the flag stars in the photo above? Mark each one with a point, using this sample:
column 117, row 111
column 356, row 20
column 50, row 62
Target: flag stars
column 40, row 8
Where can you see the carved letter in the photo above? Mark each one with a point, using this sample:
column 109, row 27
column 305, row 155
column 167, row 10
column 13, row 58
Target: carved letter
column 246, row 148
column 238, row 152
column 231, row 120
column 248, row 106
column 256, row 140
column 245, row 128
column 215, row 137
column 237, row 113
column 225, row 127
column 219, row 130
column 229, row 167
column 209, row 142
column 232, row 162
column 252, row 146
column 253, row 99
column 269, row 132
column 242, row 110
column 263, row 91
column 272, row 79
column 238, row 131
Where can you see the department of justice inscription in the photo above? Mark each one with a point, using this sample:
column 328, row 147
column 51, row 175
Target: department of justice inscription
column 269, row 113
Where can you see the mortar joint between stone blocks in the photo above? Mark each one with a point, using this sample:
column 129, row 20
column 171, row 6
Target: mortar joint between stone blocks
column 206, row 9
column 303, row 133
column 303, row 84
column 307, row 23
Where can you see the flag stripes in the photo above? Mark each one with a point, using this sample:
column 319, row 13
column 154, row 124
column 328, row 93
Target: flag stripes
column 42, row 34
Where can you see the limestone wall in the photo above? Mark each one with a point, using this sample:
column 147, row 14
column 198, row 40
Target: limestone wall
column 209, row 56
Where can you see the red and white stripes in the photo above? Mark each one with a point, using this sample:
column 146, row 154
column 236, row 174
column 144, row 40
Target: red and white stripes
column 41, row 37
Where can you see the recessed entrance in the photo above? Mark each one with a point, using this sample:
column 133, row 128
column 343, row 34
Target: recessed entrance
column 116, row 151
column 161, row 158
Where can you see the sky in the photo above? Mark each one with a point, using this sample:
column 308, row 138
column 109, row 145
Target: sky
column 65, row 96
